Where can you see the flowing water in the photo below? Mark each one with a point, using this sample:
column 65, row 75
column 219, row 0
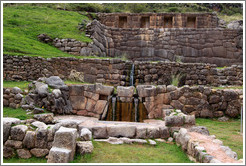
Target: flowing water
column 126, row 111
column 132, row 76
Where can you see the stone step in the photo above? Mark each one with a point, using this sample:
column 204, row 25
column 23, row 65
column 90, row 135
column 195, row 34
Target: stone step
column 59, row 155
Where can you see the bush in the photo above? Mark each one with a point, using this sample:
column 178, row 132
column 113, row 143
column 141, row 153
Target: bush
column 173, row 9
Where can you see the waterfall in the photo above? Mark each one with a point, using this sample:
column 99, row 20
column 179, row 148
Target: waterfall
column 132, row 76
column 136, row 108
column 113, row 107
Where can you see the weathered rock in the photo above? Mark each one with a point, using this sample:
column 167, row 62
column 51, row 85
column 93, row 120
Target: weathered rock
column 152, row 142
column 121, row 131
column 18, row 132
column 17, row 90
column 104, row 90
column 84, row 147
column 14, row 121
column 57, row 93
column 174, row 121
column 171, row 88
column 85, row 134
column 18, row 96
column 125, row 91
column 223, row 119
column 153, row 132
column 54, row 82
column 41, row 138
column 237, row 24
column 29, row 139
column 41, row 89
column 24, row 153
column 13, row 144
column 164, row 132
column 39, row 152
column 141, row 132
column 38, row 110
column 6, row 130
column 199, row 129
column 99, row 132
column 59, row 155
column 39, row 124
column 8, row 152
column 100, row 105
column 190, row 119
column 146, row 90
column 46, row 118
column 65, row 138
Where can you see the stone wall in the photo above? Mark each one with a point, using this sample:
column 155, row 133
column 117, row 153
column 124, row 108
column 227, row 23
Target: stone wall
column 113, row 72
column 90, row 100
column 162, row 73
column 159, row 20
column 12, row 97
column 198, row 100
column 116, row 72
column 207, row 45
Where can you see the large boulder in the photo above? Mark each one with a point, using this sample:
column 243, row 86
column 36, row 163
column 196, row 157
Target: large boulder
column 18, row 132
column 41, row 89
column 84, row 147
column 54, row 82
column 125, row 91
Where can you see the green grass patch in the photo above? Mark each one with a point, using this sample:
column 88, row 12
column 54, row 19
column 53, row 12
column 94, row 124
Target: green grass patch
column 228, row 132
column 22, row 25
column 70, row 82
column 135, row 153
column 16, row 113
column 20, row 84
column 221, row 67
column 229, row 18
column 30, row 160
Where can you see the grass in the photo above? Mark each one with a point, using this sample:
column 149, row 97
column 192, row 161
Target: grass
column 22, row 25
column 70, row 82
column 16, row 113
column 228, row 19
column 228, row 132
column 11, row 84
column 135, row 153
column 30, row 160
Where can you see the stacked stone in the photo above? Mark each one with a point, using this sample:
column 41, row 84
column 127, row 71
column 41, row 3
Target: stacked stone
column 71, row 46
column 112, row 72
column 22, row 137
column 39, row 94
column 90, row 100
column 12, row 97
column 199, row 100
column 207, row 45
column 160, row 73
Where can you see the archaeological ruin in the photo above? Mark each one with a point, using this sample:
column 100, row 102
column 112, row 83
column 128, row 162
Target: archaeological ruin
column 128, row 101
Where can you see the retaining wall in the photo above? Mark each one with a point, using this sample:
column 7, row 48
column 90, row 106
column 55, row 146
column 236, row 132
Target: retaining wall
column 117, row 72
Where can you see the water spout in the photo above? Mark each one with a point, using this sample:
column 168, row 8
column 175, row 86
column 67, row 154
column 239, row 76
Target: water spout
column 132, row 76
column 136, row 109
column 113, row 107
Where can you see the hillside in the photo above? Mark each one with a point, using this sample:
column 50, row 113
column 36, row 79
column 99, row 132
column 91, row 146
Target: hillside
column 22, row 24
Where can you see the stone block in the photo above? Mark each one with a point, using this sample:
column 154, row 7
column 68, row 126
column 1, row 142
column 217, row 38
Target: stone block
column 84, row 147
column 23, row 153
column 121, row 131
column 76, row 90
column 29, row 140
column 125, row 91
column 18, row 132
column 104, row 90
column 39, row 152
column 59, row 155
column 99, row 132
column 99, row 107
column 78, row 102
column 153, row 132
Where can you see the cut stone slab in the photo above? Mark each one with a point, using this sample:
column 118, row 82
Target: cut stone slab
column 66, row 138
column 153, row 132
column 125, row 91
column 141, row 132
column 59, row 155
column 121, row 131
column 104, row 90
column 99, row 132
column 152, row 142
column 18, row 132
column 84, row 147
column 100, row 105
